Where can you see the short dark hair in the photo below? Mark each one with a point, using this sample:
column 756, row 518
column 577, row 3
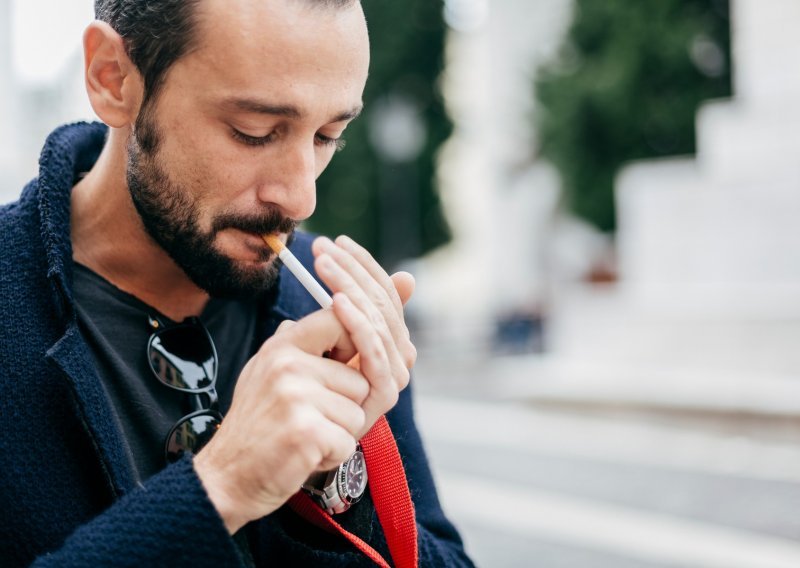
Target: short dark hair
column 156, row 34
column 159, row 32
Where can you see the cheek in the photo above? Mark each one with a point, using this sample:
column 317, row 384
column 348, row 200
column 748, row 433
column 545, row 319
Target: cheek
column 209, row 170
column 196, row 154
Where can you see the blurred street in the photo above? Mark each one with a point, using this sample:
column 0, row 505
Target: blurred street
column 584, row 485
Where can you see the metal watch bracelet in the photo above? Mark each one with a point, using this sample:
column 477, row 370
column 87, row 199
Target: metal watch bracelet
column 337, row 490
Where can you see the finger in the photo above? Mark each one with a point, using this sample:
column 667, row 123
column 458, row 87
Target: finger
column 359, row 262
column 339, row 445
column 393, row 335
column 300, row 367
column 405, row 285
column 322, row 444
column 342, row 379
column 385, row 379
column 338, row 409
column 391, row 328
column 317, row 333
column 367, row 272
column 374, row 362
column 374, row 289
column 366, row 294
column 374, row 269
column 393, row 319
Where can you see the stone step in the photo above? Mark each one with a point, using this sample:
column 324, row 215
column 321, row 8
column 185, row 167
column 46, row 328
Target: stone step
column 604, row 325
column 685, row 238
column 583, row 382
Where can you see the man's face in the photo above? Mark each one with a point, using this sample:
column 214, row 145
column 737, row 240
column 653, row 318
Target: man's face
column 243, row 126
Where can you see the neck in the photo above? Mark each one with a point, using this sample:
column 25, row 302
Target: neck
column 108, row 236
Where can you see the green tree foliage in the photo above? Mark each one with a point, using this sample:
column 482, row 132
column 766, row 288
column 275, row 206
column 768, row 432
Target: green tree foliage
column 391, row 206
column 626, row 85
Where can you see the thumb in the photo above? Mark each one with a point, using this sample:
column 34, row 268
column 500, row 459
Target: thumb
column 317, row 333
column 404, row 283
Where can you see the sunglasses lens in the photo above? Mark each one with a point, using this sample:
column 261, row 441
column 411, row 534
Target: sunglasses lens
column 191, row 434
column 183, row 357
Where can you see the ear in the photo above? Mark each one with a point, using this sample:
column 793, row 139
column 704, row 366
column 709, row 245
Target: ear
column 114, row 85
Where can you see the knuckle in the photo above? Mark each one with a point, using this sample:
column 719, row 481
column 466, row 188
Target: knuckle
column 301, row 429
column 374, row 349
column 388, row 394
column 283, row 363
column 376, row 319
column 392, row 396
column 383, row 304
column 358, row 420
column 288, row 395
column 362, row 389
column 387, row 340
column 342, row 445
column 294, row 426
column 403, row 378
column 307, row 454
column 410, row 355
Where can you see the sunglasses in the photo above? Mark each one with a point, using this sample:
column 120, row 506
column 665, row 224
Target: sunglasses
column 183, row 357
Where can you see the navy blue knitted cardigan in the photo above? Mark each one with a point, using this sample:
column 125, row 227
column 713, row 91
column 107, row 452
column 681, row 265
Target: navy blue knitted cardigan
column 68, row 496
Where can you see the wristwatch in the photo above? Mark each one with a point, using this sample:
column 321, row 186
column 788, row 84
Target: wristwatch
column 337, row 490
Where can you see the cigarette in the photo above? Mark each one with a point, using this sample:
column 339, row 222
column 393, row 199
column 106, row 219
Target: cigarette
column 304, row 276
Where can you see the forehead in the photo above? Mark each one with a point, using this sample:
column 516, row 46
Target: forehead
column 270, row 46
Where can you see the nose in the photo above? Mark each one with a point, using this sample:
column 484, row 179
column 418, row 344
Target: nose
column 292, row 181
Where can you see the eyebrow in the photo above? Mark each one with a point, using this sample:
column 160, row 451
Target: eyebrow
column 288, row 111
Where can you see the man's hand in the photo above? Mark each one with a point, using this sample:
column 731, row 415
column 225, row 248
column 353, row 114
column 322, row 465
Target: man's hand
column 356, row 278
column 293, row 412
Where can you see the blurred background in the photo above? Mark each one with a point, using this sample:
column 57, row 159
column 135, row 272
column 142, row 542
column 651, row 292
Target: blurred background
column 600, row 202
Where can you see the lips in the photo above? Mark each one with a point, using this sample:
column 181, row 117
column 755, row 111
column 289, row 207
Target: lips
column 256, row 244
column 243, row 245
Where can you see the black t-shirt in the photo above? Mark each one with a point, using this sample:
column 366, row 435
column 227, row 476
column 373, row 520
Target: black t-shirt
column 115, row 325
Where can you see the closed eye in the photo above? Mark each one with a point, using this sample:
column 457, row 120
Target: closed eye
column 252, row 140
column 320, row 139
column 337, row 143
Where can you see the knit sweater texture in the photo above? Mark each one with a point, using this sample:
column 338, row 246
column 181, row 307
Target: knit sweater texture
column 69, row 496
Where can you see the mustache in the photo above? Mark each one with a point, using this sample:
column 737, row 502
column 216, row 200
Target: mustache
column 269, row 222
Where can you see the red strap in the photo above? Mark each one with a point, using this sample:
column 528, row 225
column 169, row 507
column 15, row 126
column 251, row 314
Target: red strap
column 389, row 489
column 390, row 494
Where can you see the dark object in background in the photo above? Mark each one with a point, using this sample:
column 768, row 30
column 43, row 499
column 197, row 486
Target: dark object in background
column 518, row 333
column 380, row 190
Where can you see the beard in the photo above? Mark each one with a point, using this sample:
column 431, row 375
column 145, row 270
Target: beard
column 170, row 217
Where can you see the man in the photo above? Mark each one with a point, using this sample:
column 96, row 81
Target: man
column 141, row 305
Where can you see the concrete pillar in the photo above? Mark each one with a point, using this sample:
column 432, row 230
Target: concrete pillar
column 8, row 152
column 766, row 51
column 488, row 85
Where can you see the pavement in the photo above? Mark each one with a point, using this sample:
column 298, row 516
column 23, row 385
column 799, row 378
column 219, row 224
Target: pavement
column 565, row 472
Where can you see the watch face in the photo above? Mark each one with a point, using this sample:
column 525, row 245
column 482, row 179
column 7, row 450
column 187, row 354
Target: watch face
column 355, row 476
